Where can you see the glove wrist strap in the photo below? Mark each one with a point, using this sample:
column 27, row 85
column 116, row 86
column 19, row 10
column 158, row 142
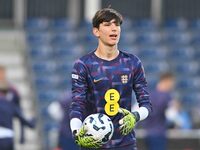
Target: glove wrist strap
column 137, row 116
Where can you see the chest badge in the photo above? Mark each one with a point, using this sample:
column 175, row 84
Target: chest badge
column 124, row 79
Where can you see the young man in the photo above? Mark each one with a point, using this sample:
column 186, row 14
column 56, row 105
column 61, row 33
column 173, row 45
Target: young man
column 103, row 81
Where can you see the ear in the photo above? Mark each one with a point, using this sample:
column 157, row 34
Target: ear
column 96, row 32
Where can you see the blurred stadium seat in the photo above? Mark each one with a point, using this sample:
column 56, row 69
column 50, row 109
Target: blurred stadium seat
column 190, row 68
column 176, row 24
column 153, row 53
column 156, row 67
column 62, row 24
column 148, row 38
column 188, row 84
column 41, row 52
column 144, row 25
column 37, row 24
column 177, row 37
column 64, row 38
column 181, row 53
column 44, row 67
column 35, row 38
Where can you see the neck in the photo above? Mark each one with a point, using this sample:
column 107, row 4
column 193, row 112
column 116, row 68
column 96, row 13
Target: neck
column 107, row 52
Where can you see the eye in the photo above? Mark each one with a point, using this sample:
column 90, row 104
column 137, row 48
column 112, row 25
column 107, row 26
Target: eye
column 107, row 24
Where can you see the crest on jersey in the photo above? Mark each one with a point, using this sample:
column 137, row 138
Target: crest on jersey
column 124, row 79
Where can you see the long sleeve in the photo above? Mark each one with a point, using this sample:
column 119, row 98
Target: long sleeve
column 140, row 87
column 79, row 91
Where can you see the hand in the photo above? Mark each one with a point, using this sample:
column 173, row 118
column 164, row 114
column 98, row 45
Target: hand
column 84, row 140
column 128, row 122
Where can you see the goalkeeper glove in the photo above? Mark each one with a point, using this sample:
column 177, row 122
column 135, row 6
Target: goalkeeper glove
column 128, row 122
column 84, row 140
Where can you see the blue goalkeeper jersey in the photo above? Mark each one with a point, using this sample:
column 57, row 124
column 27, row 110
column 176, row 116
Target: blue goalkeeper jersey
column 93, row 77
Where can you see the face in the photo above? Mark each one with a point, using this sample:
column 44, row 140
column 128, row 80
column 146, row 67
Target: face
column 108, row 33
column 169, row 84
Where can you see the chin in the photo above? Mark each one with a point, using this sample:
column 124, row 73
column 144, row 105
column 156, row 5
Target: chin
column 113, row 44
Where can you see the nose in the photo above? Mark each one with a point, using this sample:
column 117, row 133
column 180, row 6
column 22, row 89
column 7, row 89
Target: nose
column 114, row 27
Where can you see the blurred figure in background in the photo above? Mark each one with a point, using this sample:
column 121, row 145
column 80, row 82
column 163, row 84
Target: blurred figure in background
column 177, row 117
column 11, row 95
column 9, row 108
column 58, row 110
column 156, row 124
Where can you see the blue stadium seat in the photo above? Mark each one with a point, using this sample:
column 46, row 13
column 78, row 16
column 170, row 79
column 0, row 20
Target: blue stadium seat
column 70, row 52
column 194, row 24
column 186, row 83
column 128, row 38
column 149, row 38
column 46, row 82
column 85, row 25
column 64, row 38
column 181, row 53
column 155, row 67
column 190, row 68
column 152, row 53
column 36, row 38
column 37, row 24
column 144, row 25
column 127, row 24
column 190, row 98
column 62, row 24
column 41, row 52
column 44, row 67
column 65, row 66
column 49, row 95
column 177, row 38
column 195, row 38
column 176, row 24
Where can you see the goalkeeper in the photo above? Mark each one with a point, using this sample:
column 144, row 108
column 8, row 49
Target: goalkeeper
column 103, row 81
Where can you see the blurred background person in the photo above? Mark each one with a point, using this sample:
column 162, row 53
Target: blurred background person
column 59, row 111
column 156, row 124
column 9, row 109
column 178, row 117
column 11, row 95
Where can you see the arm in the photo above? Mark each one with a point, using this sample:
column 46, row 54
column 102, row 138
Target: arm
column 79, row 91
column 23, row 120
column 78, row 107
column 140, row 88
column 129, row 120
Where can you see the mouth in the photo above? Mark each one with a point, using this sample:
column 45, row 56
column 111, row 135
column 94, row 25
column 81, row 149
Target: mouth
column 113, row 36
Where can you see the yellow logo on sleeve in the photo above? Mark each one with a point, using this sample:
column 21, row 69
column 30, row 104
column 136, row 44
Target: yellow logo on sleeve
column 112, row 97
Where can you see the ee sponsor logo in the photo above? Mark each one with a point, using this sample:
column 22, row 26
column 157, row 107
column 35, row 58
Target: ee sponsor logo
column 112, row 97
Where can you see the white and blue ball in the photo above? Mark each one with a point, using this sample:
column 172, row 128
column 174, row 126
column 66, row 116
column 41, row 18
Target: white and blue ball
column 99, row 126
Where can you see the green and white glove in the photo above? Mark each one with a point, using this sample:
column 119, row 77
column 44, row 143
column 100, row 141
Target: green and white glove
column 128, row 122
column 84, row 140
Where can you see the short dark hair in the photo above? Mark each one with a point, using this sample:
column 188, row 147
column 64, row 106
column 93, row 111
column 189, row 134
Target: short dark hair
column 106, row 14
column 166, row 75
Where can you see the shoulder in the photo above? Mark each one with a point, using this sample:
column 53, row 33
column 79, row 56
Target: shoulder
column 84, row 59
column 130, row 56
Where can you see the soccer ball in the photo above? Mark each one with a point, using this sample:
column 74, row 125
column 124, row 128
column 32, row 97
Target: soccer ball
column 99, row 126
